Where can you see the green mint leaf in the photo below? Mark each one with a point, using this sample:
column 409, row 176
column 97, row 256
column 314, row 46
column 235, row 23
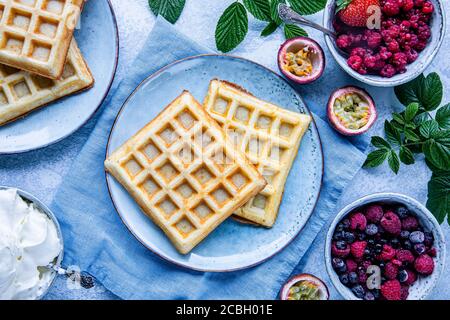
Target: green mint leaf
column 432, row 92
column 376, row 158
column 306, row 7
column 232, row 27
column 260, row 9
column 393, row 161
column 411, row 135
column 411, row 111
column 443, row 117
column 274, row 10
column 398, row 118
column 293, row 31
column 437, row 149
column 439, row 196
column 428, row 128
column 392, row 134
column 269, row 29
column 380, row 143
column 421, row 118
column 406, row 156
column 169, row 9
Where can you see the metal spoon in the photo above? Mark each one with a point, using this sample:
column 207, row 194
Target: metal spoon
column 85, row 280
column 288, row 15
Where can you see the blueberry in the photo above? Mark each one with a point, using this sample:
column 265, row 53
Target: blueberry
column 407, row 245
column 339, row 265
column 371, row 242
column 402, row 276
column 429, row 239
column 353, row 278
column 378, row 248
column 369, row 296
column 395, row 243
column 346, row 223
column 359, row 291
column 338, row 236
column 342, row 245
column 361, row 237
column 381, row 265
column 371, row 230
column 376, row 293
column 349, row 237
column 420, row 248
column 404, row 234
column 344, row 279
column 417, row 237
column 402, row 212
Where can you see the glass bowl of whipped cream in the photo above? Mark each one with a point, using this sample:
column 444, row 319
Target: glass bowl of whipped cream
column 30, row 241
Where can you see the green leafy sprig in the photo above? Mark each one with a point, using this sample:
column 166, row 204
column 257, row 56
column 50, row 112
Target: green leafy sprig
column 422, row 128
column 169, row 9
column 232, row 26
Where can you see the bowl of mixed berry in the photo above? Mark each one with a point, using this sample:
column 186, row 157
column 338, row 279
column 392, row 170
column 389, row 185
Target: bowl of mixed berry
column 385, row 247
column 385, row 42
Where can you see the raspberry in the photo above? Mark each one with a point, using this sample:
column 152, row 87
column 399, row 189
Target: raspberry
column 374, row 213
column 404, row 292
column 405, row 256
column 387, row 254
column 419, row 3
column 428, row 7
column 390, row 221
column 405, row 25
column 391, row 290
column 358, row 221
column 388, row 71
column 390, row 271
column 398, row 263
column 424, row 32
column 410, row 223
column 385, row 54
column 365, row 264
column 355, row 62
column 357, row 249
column 432, row 252
column 351, row 265
column 421, row 45
column 424, row 264
column 411, row 278
column 370, row 61
column 373, row 38
column 393, row 46
column 342, row 253
column 391, row 7
column 360, row 52
column 408, row 5
column 362, row 277
column 344, row 41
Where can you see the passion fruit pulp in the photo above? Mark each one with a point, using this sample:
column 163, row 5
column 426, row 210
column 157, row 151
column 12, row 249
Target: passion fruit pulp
column 351, row 111
column 304, row 287
column 301, row 60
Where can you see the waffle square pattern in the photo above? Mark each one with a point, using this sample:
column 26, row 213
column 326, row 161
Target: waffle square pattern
column 269, row 135
column 36, row 34
column 183, row 172
column 22, row 92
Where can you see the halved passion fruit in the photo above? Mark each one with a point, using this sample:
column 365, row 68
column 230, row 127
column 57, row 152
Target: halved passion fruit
column 304, row 287
column 301, row 60
column 351, row 111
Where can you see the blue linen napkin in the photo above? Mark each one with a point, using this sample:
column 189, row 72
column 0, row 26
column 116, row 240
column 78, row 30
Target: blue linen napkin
column 97, row 241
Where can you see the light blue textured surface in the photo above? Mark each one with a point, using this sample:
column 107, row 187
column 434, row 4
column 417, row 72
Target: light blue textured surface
column 41, row 172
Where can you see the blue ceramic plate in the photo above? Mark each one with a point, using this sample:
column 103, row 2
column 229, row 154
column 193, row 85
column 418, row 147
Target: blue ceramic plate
column 232, row 245
column 98, row 40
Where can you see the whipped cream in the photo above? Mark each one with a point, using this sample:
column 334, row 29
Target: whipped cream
column 28, row 241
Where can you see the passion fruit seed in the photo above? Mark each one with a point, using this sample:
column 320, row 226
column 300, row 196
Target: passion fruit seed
column 352, row 111
column 304, row 290
column 299, row 63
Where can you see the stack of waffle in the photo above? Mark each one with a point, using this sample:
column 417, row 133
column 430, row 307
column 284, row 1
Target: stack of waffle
column 194, row 165
column 39, row 60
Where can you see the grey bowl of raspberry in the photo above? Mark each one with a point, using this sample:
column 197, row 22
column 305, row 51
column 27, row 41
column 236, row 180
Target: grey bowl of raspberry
column 385, row 246
column 392, row 45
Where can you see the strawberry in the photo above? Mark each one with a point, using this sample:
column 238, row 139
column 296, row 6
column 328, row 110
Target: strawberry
column 354, row 12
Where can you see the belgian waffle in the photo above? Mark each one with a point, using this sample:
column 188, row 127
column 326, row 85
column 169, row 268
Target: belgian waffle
column 35, row 35
column 184, row 174
column 269, row 135
column 22, row 92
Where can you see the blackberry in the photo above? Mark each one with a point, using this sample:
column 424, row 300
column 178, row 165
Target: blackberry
column 378, row 248
column 402, row 276
column 359, row 291
column 344, row 279
column 420, row 248
column 346, row 223
column 371, row 230
column 417, row 237
column 341, row 245
column 395, row 243
column 349, row 237
column 402, row 212
column 338, row 236
column 407, row 245
column 429, row 239
column 353, row 278
column 361, row 236
column 376, row 293
column 404, row 234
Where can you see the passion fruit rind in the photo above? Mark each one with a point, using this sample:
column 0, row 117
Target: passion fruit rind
column 318, row 60
column 360, row 118
column 287, row 292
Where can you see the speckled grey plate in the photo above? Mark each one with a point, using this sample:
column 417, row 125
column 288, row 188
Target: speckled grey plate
column 438, row 29
column 424, row 285
column 42, row 207
column 98, row 40
column 232, row 245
